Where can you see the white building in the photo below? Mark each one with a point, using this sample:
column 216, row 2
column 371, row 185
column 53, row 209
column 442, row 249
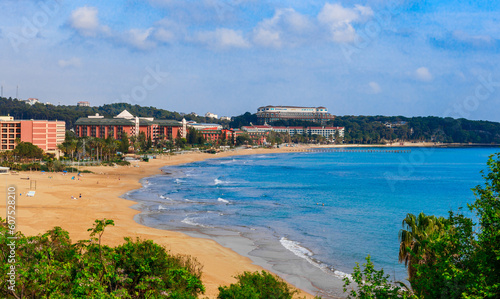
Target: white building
column 83, row 104
column 225, row 118
column 31, row 101
column 202, row 126
column 274, row 113
column 322, row 131
column 211, row 115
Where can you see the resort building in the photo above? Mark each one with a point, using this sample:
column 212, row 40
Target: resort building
column 202, row 126
column 83, row 104
column 46, row 134
column 31, row 101
column 211, row 115
column 275, row 113
column 214, row 134
column 261, row 130
column 155, row 129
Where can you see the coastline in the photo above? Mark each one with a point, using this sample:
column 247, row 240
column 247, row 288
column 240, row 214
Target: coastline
column 102, row 197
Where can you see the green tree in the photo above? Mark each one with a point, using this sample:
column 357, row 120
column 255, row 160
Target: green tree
column 372, row 283
column 27, row 150
column 257, row 285
column 124, row 143
column 415, row 236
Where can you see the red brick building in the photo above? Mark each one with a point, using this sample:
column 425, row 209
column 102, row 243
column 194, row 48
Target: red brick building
column 98, row 126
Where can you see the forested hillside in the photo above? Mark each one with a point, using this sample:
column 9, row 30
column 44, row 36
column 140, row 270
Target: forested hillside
column 381, row 129
column 21, row 110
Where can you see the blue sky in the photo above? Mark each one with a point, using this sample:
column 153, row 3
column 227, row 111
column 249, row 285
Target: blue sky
column 371, row 57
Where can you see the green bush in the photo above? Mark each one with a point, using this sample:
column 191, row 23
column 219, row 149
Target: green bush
column 257, row 285
column 371, row 283
column 51, row 266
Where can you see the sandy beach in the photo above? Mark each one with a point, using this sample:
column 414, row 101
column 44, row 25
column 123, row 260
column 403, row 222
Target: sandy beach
column 100, row 192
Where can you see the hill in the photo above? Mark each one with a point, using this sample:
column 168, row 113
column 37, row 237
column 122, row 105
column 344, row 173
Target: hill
column 21, row 110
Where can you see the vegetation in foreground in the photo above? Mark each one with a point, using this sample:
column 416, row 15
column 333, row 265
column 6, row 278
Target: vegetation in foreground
column 454, row 257
column 51, row 266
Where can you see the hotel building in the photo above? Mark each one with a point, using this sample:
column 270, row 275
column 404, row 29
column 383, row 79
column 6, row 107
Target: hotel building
column 46, row 134
column 327, row 132
column 98, row 126
column 274, row 113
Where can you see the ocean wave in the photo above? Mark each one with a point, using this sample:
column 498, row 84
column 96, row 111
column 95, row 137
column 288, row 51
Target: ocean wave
column 307, row 254
column 190, row 221
column 160, row 207
column 222, row 200
column 218, row 182
column 228, row 161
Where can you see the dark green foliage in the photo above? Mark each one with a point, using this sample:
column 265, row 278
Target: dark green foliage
column 373, row 283
column 244, row 139
column 257, row 285
column 27, row 150
column 50, row 266
column 194, row 137
column 243, row 120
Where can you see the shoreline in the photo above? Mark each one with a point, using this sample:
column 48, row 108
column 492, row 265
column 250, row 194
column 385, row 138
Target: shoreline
column 102, row 196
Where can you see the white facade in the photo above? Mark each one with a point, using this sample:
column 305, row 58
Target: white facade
column 323, row 131
column 204, row 126
column 83, row 104
column 211, row 115
column 32, row 101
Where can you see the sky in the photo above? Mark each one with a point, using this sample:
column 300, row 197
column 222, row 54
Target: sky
column 371, row 57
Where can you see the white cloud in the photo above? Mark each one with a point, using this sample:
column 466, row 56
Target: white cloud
column 223, row 38
column 140, row 39
column 267, row 38
column 374, row 87
column 86, row 22
column 72, row 62
column 340, row 20
column 423, row 74
column 286, row 26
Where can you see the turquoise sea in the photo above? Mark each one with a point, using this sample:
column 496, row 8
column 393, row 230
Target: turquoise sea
column 311, row 216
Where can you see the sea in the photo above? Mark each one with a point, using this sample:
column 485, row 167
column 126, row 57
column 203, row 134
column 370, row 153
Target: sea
column 311, row 216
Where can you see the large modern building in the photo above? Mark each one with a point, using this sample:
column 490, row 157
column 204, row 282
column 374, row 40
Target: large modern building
column 274, row 113
column 101, row 127
column 46, row 134
column 327, row 132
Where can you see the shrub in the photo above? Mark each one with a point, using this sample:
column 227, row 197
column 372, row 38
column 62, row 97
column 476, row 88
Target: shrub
column 257, row 285
column 373, row 283
column 51, row 266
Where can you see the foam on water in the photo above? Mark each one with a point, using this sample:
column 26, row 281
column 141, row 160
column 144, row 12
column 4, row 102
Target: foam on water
column 191, row 221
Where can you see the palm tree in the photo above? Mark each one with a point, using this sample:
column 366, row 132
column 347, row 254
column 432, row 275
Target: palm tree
column 416, row 233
